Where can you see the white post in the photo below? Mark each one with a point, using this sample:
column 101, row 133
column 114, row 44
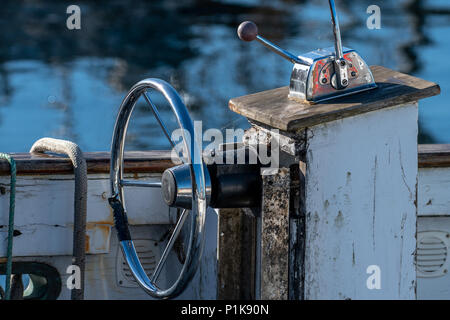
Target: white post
column 352, row 223
column 361, row 190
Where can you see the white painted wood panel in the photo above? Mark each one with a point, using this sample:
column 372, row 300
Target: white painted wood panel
column 360, row 203
column 436, row 286
column 434, row 191
column 44, row 213
column 102, row 280
column 434, row 218
column 44, row 216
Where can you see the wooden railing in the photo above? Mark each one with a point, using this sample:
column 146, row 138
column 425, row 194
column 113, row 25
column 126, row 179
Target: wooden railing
column 97, row 162
column 434, row 155
column 430, row 155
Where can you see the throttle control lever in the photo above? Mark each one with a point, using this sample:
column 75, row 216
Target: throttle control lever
column 322, row 74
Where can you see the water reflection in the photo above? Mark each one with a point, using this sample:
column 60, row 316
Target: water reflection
column 69, row 84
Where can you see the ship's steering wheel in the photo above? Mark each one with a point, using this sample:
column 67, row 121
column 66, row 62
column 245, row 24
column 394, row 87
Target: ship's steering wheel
column 200, row 187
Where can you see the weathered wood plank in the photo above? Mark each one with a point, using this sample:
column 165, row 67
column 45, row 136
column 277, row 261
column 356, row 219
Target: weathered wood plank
column 434, row 155
column 236, row 254
column 97, row 162
column 273, row 108
column 297, row 232
column 275, row 214
column 430, row 155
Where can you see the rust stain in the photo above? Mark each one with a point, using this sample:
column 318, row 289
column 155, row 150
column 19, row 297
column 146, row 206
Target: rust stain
column 100, row 222
column 104, row 230
column 98, row 226
column 109, row 221
column 87, row 243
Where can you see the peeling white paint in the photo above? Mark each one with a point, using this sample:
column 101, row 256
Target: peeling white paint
column 434, row 191
column 44, row 216
column 44, row 213
column 360, row 203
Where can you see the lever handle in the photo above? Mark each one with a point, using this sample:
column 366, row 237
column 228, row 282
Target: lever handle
column 248, row 31
column 336, row 31
column 340, row 65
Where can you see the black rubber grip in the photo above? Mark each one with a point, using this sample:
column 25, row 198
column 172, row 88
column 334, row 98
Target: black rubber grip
column 120, row 219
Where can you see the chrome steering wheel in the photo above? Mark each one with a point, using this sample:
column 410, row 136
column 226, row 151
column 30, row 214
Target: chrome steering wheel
column 200, row 187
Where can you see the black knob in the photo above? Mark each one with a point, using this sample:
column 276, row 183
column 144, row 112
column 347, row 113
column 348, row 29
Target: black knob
column 247, row 31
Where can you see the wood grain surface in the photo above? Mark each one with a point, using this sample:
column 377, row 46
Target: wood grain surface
column 434, row 155
column 275, row 109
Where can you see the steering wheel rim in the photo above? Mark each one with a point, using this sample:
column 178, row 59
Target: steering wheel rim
column 199, row 182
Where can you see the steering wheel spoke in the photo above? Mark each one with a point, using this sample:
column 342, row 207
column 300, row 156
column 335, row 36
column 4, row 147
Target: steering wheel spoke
column 142, row 184
column 169, row 246
column 159, row 119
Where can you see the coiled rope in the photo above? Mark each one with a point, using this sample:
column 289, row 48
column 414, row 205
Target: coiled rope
column 80, row 200
column 12, row 203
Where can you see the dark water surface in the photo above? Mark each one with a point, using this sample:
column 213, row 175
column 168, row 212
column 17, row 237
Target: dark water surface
column 69, row 84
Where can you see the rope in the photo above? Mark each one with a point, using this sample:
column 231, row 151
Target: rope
column 80, row 200
column 12, row 200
